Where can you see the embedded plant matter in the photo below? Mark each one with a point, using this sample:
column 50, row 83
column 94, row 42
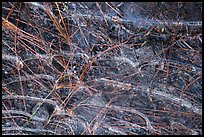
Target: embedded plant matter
column 101, row 68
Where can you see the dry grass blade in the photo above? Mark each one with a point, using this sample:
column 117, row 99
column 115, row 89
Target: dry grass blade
column 101, row 68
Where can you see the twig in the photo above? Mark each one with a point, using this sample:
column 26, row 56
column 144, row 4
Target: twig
column 180, row 101
column 49, row 101
column 27, row 129
column 23, row 113
column 192, row 82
